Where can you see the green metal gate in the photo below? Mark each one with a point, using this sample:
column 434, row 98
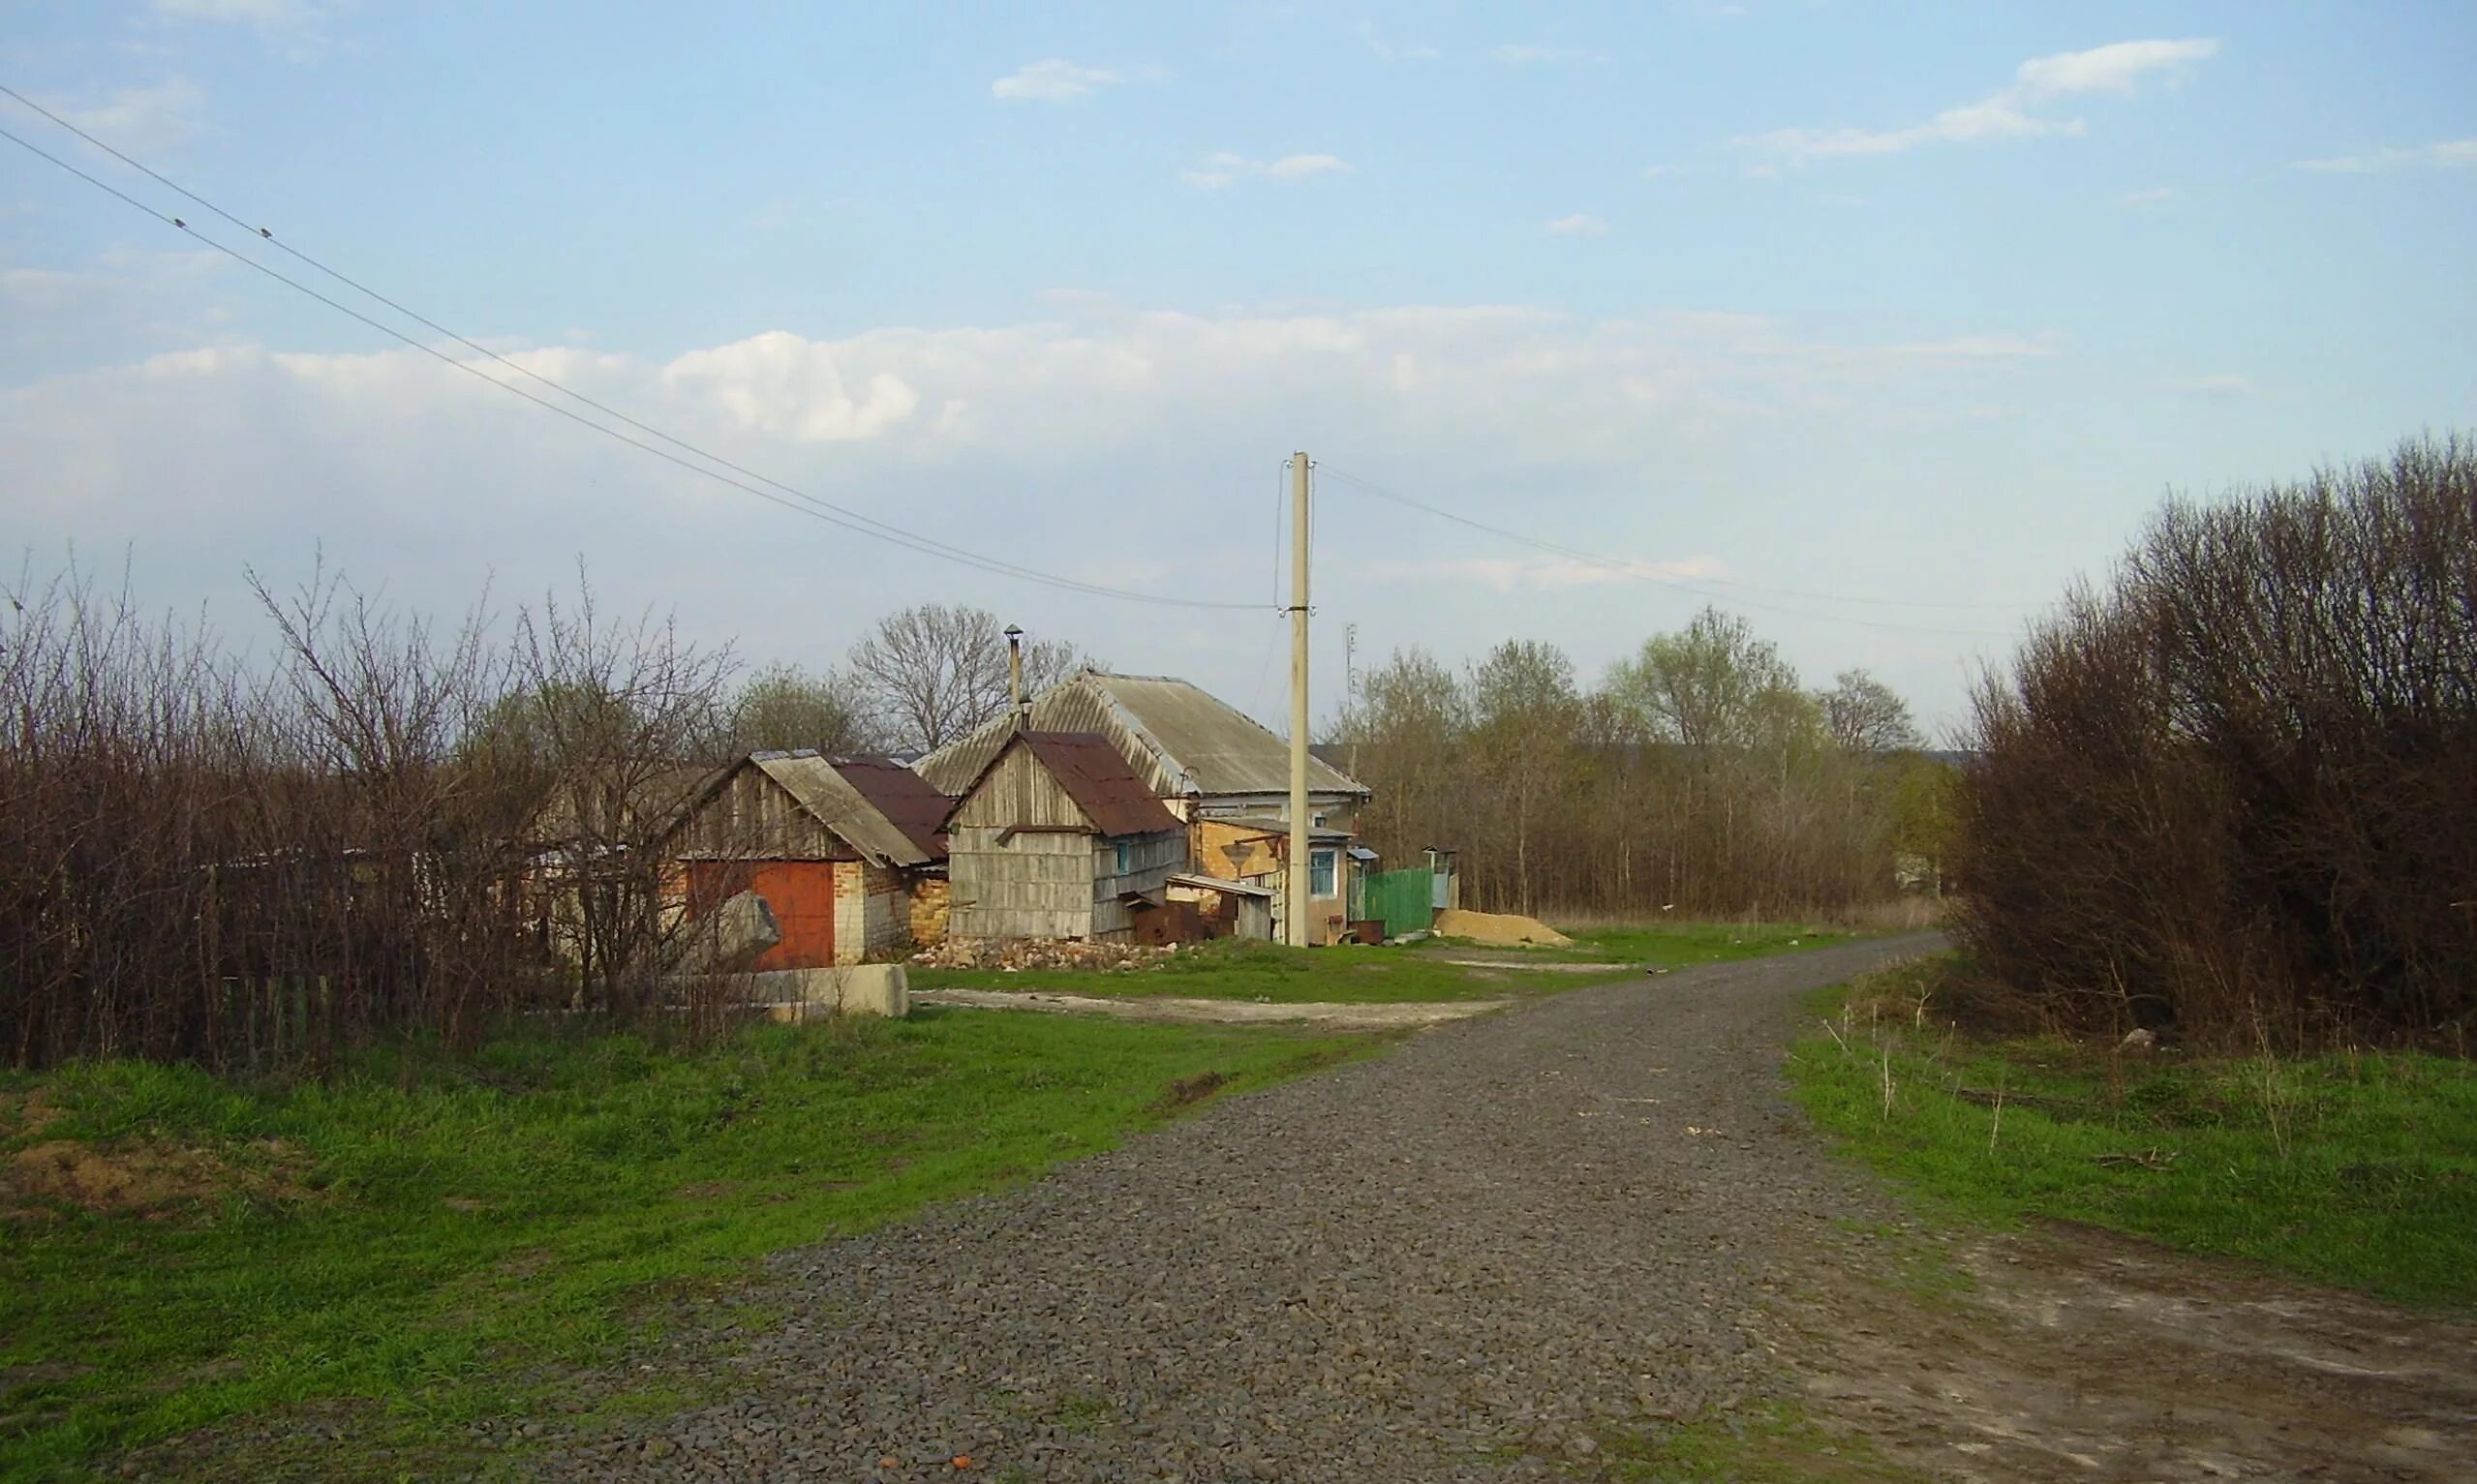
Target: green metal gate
column 1400, row 901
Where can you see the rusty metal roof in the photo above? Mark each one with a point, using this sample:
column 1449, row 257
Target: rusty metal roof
column 1100, row 782
column 1179, row 739
column 904, row 797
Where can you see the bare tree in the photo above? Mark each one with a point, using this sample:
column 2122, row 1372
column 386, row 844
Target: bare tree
column 620, row 712
column 1864, row 714
column 933, row 672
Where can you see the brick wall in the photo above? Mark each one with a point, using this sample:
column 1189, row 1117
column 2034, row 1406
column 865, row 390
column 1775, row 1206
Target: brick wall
column 929, row 896
column 871, row 918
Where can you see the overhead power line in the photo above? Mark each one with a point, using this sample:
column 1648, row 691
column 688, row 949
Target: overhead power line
column 1637, row 571
column 739, row 477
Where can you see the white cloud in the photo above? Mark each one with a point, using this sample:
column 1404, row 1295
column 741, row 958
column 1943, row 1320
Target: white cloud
column 794, row 389
column 1220, row 169
column 1386, row 51
column 1053, row 80
column 1528, row 54
column 1027, row 440
column 2110, row 69
column 2012, row 113
column 2441, row 155
column 2155, row 196
column 1578, row 224
column 155, row 117
column 1547, row 572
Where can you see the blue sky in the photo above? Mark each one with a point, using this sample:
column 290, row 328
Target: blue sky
column 1920, row 305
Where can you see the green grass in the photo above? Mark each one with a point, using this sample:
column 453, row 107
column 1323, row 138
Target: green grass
column 445, row 1236
column 1684, row 945
column 1233, row 970
column 1769, row 1444
column 2358, row 1169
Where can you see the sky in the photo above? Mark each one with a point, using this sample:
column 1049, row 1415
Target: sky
column 1881, row 325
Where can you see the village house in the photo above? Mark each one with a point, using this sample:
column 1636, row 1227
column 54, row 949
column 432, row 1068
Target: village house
column 848, row 851
column 1224, row 775
column 1056, row 837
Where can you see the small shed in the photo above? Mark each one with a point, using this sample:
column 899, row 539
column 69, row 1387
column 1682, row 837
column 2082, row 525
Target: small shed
column 1225, row 908
column 1057, row 837
column 837, row 846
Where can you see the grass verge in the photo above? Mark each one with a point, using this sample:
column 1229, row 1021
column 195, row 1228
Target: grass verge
column 2355, row 1168
column 1769, row 1444
column 1685, row 945
column 1231, row 970
column 435, row 1237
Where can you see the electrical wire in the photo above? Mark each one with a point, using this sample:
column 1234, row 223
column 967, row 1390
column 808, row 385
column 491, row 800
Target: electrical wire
column 809, row 505
column 1634, row 571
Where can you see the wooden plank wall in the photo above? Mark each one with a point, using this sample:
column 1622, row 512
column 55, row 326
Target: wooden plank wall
column 753, row 818
column 1152, row 857
column 1020, row 791
column 1037, row 885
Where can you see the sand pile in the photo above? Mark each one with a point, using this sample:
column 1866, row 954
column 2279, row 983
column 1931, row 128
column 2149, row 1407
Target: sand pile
column 1499, row 929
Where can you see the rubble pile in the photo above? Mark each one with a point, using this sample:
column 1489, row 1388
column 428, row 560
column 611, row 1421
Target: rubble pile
column 1015, row 953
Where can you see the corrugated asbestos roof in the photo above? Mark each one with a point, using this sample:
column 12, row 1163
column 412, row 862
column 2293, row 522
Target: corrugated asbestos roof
column 842, row 808
column 1099, row 781
column 904, row 797
column 1179, row 738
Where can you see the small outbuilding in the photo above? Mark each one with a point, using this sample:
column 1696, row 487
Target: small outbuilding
column 1056, row 837
column 841, row 849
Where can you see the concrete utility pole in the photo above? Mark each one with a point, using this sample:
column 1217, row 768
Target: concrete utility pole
column 1299, row 823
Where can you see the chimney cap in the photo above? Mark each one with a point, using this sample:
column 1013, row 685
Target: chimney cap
column 1014, row 631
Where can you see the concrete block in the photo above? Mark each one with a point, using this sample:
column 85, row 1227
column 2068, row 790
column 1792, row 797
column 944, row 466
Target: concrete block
column 852, row 989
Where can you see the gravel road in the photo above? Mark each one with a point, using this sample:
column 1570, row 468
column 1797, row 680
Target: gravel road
column 1458, row 1261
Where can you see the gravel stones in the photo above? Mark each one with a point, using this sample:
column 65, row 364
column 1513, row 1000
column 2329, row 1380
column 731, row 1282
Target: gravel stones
column 1476, row 1259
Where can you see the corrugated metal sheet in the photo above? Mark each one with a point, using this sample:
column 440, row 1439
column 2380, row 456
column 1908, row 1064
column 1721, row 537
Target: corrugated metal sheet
column 1179, row 738
column 840, row 807
column 1099, row 781
column 904, row 797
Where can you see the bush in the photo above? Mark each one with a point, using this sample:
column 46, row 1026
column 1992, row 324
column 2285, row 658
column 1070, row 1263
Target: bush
column 2236, row 794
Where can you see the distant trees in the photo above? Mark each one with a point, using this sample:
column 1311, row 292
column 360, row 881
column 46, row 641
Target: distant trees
column 933, row 672
column 2236, row 793
column 1863, row 715
column 783, row 707
column 1698, row 776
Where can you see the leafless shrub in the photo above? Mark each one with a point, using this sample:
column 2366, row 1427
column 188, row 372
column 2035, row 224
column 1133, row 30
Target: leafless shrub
column 2237, row 793
column 384, row 826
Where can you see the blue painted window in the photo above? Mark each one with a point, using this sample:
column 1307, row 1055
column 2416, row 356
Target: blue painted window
column 1126, row 858
column 1320, row 873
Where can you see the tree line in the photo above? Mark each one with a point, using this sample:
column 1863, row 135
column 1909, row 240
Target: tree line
column 1697, row 778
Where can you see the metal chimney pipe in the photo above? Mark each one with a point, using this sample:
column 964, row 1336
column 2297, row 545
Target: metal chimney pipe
column 1015, row 680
